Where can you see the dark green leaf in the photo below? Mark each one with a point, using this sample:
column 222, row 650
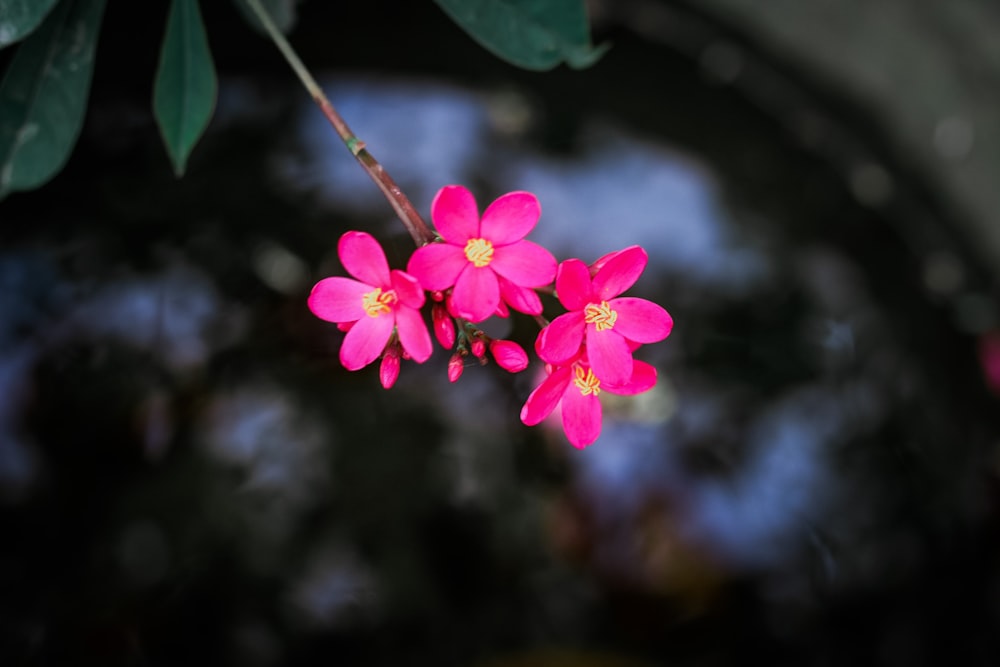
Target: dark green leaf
column 20, row 17
column 43, row 97
column 282, row 12
column 534, row 34
column 185, row 89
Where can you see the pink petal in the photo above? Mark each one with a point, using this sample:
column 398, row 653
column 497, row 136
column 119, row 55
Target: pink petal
column 510, row 218
column 643, row 379
column 640, row 320
column 609, row 355
column 524, row 263
column 560, row 341
column 573, row 285
column 407, row 288
column 363, row 258
column 546, row 396
column 365, row 341
column 338, row 299
column 413, row 334
column 619, row 273
column 437, row 265
column 581, row 417
column 522, row 299
column 602, row 260
column 455, row 215
column 477, row 293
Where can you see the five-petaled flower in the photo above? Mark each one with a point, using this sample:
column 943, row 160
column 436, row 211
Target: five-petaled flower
column 609, row 327
column 578, row 389
column 376, row 305
column 484, row 259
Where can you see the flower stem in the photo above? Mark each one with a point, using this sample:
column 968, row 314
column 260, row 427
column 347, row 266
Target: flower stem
column 414, row 224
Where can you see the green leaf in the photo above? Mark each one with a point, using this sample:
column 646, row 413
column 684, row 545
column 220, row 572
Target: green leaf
column 19, row 17
column 185, row 89
column 282, row 12
column 43, row 97
column 533, row 34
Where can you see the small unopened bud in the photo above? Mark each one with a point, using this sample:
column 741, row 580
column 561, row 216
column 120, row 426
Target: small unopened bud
column 455, row 367
column 509, row 355
column 388, row 371
column 477, row 347
column 444, row 326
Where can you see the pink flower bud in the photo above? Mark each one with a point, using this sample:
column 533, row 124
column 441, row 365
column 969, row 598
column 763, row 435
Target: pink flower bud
column 509, row 355
column 455, row 367
column 389, row 369
column 444, row 327
column 477, row 347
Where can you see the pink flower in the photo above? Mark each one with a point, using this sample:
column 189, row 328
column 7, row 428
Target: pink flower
column 374, row 306
column 485, row 259
column 578, row 389
column 610, row 327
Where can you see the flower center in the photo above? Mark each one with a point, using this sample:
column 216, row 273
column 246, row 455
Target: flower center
column 479, row 252
column 378, row 302
column 601, row 316
column 587, row 382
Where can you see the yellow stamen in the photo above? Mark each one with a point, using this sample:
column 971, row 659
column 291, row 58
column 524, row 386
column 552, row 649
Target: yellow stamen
column 479, row 252
column 601, row 316
column 378, row 302
column 587, row 382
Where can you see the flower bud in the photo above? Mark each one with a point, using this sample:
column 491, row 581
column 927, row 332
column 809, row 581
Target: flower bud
column 455, row 367
column 477, row 347
column 388, row 371
column 509, row 355
column 444, row 327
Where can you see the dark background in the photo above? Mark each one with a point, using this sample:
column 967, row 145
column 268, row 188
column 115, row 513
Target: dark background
column 187, row 475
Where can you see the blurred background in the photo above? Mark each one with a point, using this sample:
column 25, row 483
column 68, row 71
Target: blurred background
column 188, row 475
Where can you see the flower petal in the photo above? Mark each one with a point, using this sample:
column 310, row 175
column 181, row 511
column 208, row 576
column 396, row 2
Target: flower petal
column 609, row 355
column 643, row 379
column 338, row 299
column 437, row 265
column 581, row 417
column 455, row 214
column 546, row 396
column 522, row 299
column 640, row 320
column 477, row 293
column 510, row 218
column 509, row 355
column 619, row 273
column 524, row 263
column 407, row 288
column 560, row 341
column 413, row 334
column 365, row 341
column 573, row 285
column 363, row 258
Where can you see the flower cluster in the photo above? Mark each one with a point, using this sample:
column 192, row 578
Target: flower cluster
column 482, row 266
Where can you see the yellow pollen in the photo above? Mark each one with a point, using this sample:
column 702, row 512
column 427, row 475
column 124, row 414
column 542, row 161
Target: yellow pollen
column 378, row 302
column 479, row 252
column 586, row 382
column 600, row 316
